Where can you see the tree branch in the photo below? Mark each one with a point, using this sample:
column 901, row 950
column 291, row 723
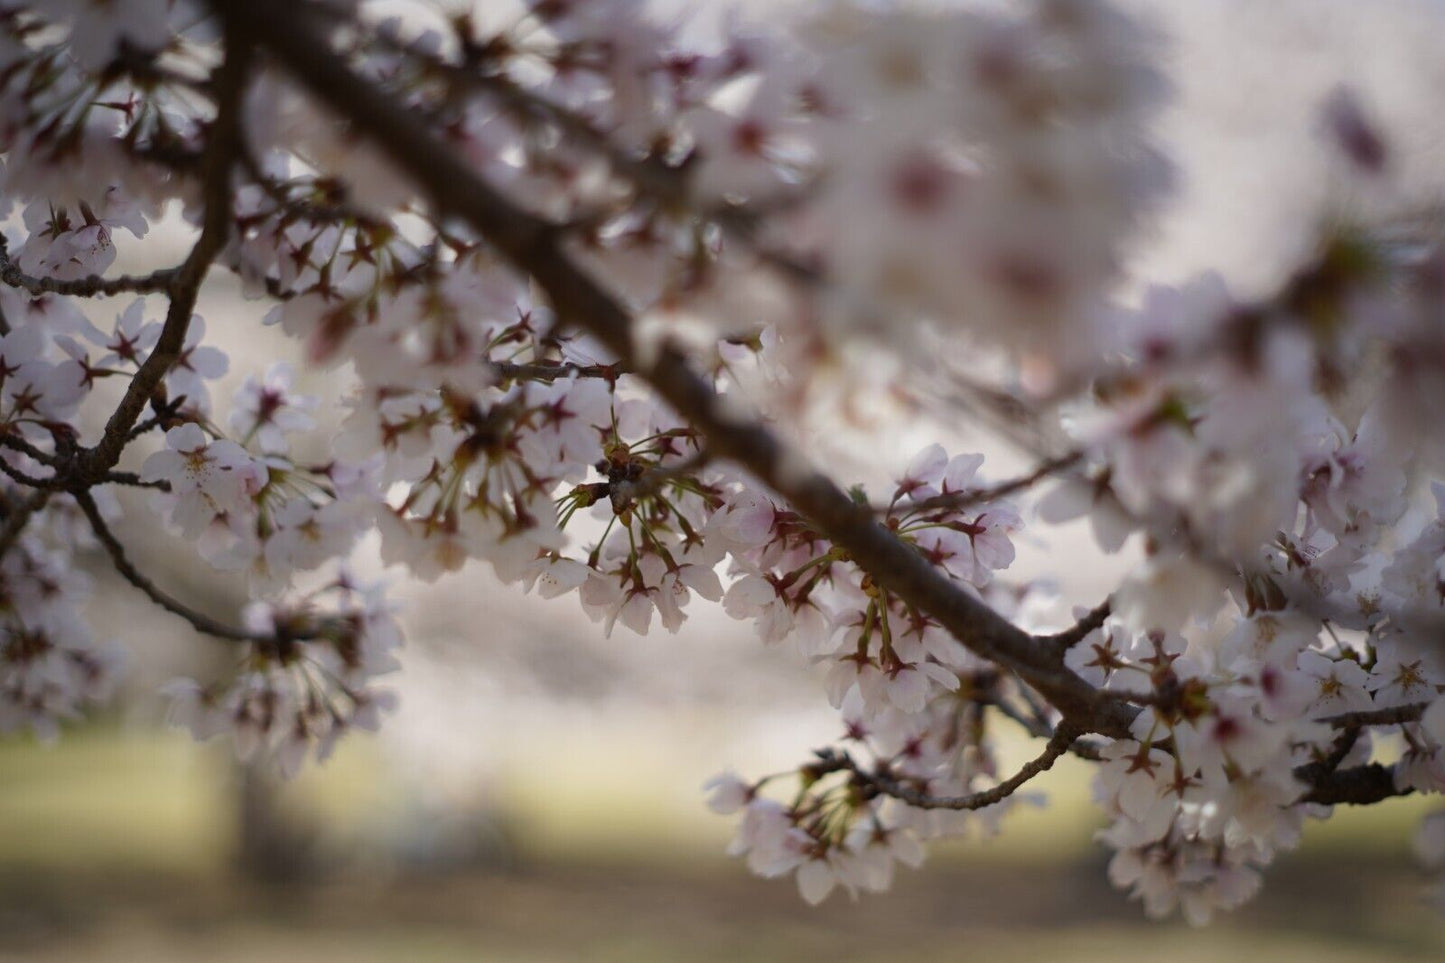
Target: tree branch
column 534, row 246
column 223, row 148
column 1359, row 786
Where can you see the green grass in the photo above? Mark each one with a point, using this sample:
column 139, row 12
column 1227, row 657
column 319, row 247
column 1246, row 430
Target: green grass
column 153, row 799
column 116, row 846
column 108, row 798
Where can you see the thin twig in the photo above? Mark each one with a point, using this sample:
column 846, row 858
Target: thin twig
column 132, row 480
column 533, row 371
column 651, row 481
column 200, row 621
column 1040, row 728
column 29, row 481
column 1394, row 715
column 885, row 784
column 667, row 185
column 1076, row 633
column 956, row 501
column 328, row 213
column 1341, row 748
column 61, row 483
column 15, row 442
column 91, row 286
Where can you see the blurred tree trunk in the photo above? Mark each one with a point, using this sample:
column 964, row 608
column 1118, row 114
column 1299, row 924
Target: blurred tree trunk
column 274, row 848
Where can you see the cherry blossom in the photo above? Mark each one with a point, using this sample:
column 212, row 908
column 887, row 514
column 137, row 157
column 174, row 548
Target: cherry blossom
column 596, row 299
column 206, row 478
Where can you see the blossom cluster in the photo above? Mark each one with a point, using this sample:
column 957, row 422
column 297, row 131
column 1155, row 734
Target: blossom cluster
column 772, row 212
column 305, row 681
column 51, row 666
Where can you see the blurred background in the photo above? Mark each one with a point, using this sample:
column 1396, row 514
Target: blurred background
column 537, row 796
